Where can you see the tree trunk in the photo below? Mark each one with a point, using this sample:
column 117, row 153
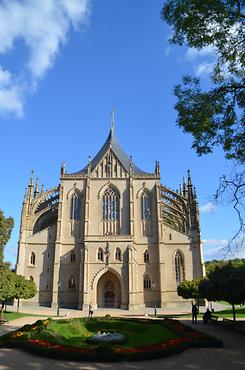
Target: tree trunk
column 234, row 312
column 2, row 307
column 18, row 305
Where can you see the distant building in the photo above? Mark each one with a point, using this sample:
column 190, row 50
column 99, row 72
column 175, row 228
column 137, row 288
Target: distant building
column 109, row 234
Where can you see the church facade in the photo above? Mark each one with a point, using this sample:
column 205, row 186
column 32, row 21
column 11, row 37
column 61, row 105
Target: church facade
column 110, row 235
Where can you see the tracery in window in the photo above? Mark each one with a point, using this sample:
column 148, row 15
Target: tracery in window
column 110, row 205
column 146, row 256
column 74, row 208
column 110, row 212
column 147, row 282
column 100, row 254
column 33, row 259
column 179, row 267
column 72, row 282
column 145, row 206
column 118, row 255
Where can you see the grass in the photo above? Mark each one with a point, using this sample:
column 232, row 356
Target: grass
column 227, row 313
column 144, row 339
column 14, row 315
column 75, row 332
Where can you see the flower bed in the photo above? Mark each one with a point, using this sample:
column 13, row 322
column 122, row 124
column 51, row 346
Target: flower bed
column 29, row 338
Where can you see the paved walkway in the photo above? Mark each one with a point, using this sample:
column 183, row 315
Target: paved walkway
column 230, row 357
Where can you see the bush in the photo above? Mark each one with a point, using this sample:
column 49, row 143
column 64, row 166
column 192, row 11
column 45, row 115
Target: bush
column 104, row 347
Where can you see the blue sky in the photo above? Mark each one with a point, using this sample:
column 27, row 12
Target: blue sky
column 63, row 65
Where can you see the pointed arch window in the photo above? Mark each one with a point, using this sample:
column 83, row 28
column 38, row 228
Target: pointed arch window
column 146, row 256
column 179, row 267
column 74, row 209
column 145, row 206
column 147, row 282
column 33, row 259
column 100, row 254
column 72, row 282
column 31, row 278
column 110, row 205
column 73, row 256
column 118, row 255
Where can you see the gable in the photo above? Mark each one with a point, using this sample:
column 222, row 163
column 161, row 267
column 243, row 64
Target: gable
column 109, row 166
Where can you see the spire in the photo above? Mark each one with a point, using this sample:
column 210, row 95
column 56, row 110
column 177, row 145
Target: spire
column 62, row 168
column 36, row 188
column 180, row 189
column 189, row 178
column 113, row 118
column 31, row 182
column 157, row 168
column 25, row 195
column 194, row 193
column 184, row 186
column 42, row 190
column 30, row 186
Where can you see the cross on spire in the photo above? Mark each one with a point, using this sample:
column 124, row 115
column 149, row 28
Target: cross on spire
column 113, row 118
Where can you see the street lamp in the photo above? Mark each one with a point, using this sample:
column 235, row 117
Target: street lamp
column 154, row 285
column 59, row 288
column 58, row 298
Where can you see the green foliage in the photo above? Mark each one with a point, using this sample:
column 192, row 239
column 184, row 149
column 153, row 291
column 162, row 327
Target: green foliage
column 6, row 226
column 189, row 289
column 226, row 283
column 42, row 343
column 6, row 284
column 211, row 265
column 23, row 288
column 213, row 117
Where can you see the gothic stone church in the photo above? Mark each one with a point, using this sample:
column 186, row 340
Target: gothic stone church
column 110, row 234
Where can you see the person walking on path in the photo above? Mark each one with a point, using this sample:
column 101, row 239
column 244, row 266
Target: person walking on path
column 194, row 312
column 90, row 310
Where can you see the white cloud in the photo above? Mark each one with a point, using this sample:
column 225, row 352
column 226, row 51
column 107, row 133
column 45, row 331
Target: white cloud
column 43, row 25
column 10, row 94
column 203, row 59
column 204, row 68
column 219, row 242
column 208, row 207
column 193, row 53
column 214, row 248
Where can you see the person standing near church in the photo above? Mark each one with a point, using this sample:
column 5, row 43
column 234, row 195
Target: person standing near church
column 90, row 310
column 194, row 312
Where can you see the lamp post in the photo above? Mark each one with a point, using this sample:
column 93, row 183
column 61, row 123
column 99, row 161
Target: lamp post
column 154, row 285
column 59, row 287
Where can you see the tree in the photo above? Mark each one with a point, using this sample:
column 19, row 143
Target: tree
column 23, row 289
column 214, row 116
column 6, row 286
column 6, row 226
column 189, row 289
column 226, row 283
column 213, row 264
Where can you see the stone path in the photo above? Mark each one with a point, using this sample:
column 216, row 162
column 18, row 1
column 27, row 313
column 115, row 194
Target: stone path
column 230, row 357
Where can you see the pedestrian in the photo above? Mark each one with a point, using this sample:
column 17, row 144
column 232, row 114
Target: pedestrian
column 90, row 310
column 206, row 316
column 194, row 312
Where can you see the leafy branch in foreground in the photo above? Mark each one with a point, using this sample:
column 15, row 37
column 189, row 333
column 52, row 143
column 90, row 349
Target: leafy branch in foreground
column 215, row 116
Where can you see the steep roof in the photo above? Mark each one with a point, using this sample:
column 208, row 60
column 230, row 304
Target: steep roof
column 112, row 143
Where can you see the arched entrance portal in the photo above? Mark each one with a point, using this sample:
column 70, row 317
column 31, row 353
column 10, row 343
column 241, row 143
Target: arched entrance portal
column 108, row 291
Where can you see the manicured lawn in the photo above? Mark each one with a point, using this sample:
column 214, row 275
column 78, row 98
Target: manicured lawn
column 14, row 315
column 75, row 332
column 227, row 313
column 70, row 339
